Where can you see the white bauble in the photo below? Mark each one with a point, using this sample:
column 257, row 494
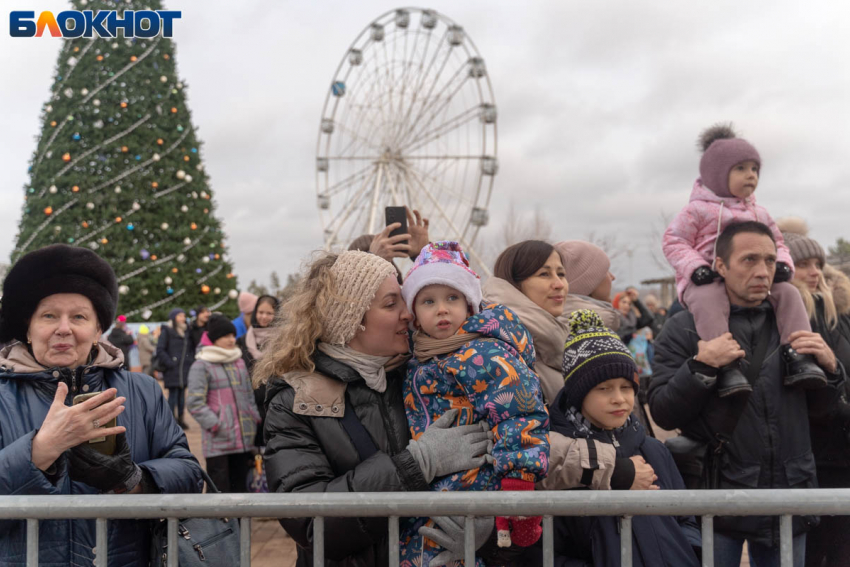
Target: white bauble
column 145, row 291
column 181, row 258
column 53, row 189
column 96, row 102
column 232, row 294
column 205, row 259
column 203, row 194
column 69, row 92
column 131, row 260
column 187, row 241
column 90, row 205
column 71, row 62
column 199, row 167
column 180, row 174
column 164, row 226
column 98, row 124
column 84, row 92
column 163, row 79
column 123, row 289
column 48, row 108
column 168, row 280
column 117, row 188
column 136, row 206
column 184, row 208
column 194, row 194
column 155, row 157
column 217, row 290
column 188, row 179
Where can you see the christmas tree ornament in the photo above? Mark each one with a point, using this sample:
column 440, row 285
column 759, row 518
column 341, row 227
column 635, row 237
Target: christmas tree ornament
column 186, row 158
column 154, row 184
column 193, row 226
column 199, row 271
column 76, row 137
column 204, row 195
column 85, row 224
column 205, row 259
column 232, row 294
column 168, row 280
column 230, row 276
column 98, row 124
column 184, row 209
column 72, row 61
column 163, row 79
column 66, row 157
column 48, row 211
column 180, row 174
column 90, row 205
column 84, row 91
column 123, row 104
column 206, row 211
column 94, row 245
column 76, row 49
column 53, row 123
column 169, row 291
column 133, row 58
column 118, row 189
column 131, row 226
column 194, row 195
column 175, row 270
column 104, row 241
column 96, row 102
column 155, row 157
column 48, row 108
column 99, row 57
column 123, row 289
column 146, row 314
column 205, row 289
column 217, row 290
column 164, row 226
column 188, row 179
column 145, row 291
column 69, row 92
column 218, row 257
column 53, row 189
column 144, row 254
column 153, row 257
column 131, row 260
column 136, row 206
column 71, row 240
column 199, row 167
column 125, row 149
column 179, row 128
column 173, row 110
column 75, row 189
column 160, row 141
column 57, row 229
column 117, row 219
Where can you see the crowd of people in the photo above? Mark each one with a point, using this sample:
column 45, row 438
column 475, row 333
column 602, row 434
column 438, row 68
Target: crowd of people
column 370, row 380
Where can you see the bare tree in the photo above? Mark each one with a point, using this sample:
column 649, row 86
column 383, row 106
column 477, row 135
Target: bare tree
column 656, row 235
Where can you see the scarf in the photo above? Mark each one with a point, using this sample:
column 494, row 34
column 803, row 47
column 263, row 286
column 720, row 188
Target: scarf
column 585, row 428
column 373, row 369
column 181, row 329
column 425, row 348
column 256, row 339
column 548, row 332
column 218, row 355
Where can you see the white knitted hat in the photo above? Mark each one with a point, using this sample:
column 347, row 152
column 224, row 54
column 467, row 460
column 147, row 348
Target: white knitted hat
column 357, row 277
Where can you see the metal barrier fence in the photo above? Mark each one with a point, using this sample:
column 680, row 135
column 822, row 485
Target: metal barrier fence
column 626, row 504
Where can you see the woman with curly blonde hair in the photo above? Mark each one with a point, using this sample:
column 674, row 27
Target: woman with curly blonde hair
column 335, row 419
column 826, row 295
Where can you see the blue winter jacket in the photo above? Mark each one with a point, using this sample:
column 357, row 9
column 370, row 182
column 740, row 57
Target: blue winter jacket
column 658, row 541
column 158, row 446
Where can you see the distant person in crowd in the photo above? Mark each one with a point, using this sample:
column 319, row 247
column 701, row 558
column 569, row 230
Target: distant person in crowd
column 175, row 355
column 633, row 314
column 56, row 303
column 588, row 270
column 122, row 339
column 247, row 302
column 659, row 314
column 221, row 400
column 147, row 348
column 827, row 304
column 757, row 440
column 724, row 194
column 463, row 350
column 252, row 345
column 335, row 418
column 199, row 326
column 530, row 279
column 600, row 386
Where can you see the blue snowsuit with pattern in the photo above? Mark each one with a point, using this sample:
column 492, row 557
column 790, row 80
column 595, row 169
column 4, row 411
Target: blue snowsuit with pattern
column 490, row 379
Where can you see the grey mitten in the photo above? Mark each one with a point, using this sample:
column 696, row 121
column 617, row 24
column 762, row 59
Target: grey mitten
column 117, row 473
column 449, row 534
column 443, row 449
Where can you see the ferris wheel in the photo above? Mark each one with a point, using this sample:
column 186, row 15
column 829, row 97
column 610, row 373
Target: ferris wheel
column 409, row 119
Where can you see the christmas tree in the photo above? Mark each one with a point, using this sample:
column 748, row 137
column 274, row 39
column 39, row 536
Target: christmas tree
column 118, row 169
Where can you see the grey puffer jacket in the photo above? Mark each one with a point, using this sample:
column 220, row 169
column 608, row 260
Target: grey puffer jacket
column 157, row 444
column 769, row 446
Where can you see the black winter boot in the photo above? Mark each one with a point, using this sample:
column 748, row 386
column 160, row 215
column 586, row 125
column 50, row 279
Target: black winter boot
column 731, row 381
column 801, row 370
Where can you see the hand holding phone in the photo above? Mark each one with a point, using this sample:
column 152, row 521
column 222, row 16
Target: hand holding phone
column 105, row 444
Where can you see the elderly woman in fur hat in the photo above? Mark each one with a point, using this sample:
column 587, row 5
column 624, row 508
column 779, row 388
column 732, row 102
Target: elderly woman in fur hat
column 56, row 303
column 826, row 295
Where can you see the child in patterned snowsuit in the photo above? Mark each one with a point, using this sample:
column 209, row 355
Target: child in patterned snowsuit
column 479, row 360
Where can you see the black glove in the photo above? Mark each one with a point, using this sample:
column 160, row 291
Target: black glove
column 108, row 473
column 783, row 273
column 703, row 275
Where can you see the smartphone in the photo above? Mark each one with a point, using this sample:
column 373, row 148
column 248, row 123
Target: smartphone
column 105, row 444
column 397, row 214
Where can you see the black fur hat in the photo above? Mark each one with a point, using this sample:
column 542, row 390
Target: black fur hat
column 58, row 268
column 219, row 326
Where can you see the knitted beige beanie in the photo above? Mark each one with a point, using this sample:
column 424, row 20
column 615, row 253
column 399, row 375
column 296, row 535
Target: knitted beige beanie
column 357, row 277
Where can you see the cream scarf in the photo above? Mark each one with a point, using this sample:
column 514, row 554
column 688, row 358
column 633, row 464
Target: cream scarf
column 255, row 340
column 218, row 355
column 425, row 348
column 373, row 369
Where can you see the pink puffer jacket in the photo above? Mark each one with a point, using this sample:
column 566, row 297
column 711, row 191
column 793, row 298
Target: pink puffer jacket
column 688, row 242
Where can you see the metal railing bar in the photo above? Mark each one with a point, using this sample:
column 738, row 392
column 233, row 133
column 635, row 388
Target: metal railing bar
column 469, row 541
column 394, row 540
column 548, row 542
column 171, row 542
column 101, row 552
column 32, row 543
column 245, row 542
column 319, row 541
column 708, row 541
column 767, row 502
column 626, row 541
column 786, row 541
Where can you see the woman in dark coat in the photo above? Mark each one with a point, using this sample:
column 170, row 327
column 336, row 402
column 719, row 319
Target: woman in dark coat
column 827, row 303
column 253, row 343
column 56, row 302
column 335, row 371
column 175, row 354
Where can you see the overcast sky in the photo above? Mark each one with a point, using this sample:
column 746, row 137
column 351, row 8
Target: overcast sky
column 600, row 104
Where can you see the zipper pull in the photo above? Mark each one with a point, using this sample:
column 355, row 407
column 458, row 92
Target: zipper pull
column 200, row 551
column 614, row 439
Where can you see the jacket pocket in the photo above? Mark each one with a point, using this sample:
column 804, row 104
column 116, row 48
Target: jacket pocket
column 739, row 474
column 800, row 470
